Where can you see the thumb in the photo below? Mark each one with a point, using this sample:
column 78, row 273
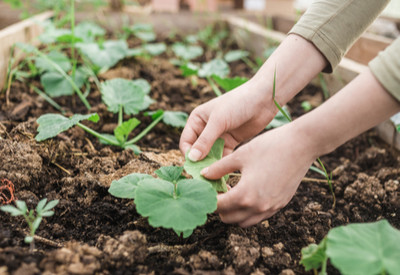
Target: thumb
column 222, row 167
column 205, row 141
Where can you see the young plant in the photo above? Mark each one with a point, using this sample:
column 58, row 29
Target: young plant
column 169, row 201
column 43, row 209
column 369, row 249
column 172, row 201
column 236, row 55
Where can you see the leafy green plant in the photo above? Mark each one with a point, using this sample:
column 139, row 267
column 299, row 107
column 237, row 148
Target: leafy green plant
column 43, row 209
column 187, row 52
column 370, row 249
column 236, row 55
column 169, row 201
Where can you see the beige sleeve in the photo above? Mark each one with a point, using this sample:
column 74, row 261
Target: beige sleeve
column 334, row 25
column 386, row 68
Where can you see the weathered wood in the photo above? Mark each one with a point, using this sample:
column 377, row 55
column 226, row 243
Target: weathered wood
column 256, row 38
column 24, row 31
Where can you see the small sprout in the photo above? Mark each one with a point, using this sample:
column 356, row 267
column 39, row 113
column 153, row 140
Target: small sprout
column 170, row 201
column 216, row 67
column 88, row 31
column 187, row 52
column 306, row 105
column 155, row 48
column 43, row 209
column 194, row 168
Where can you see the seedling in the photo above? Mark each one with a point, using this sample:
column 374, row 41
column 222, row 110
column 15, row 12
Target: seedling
column 215, row 71
column 169, row 201
column 370, row 249
column 43, row 209
column 172, row 201
column 315, row 169
column 187, row 52
column 306, row 105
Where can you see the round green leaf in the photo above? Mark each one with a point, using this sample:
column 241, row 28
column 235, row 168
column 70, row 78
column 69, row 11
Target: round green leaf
column 235, row 55
column 367, row 249
column 155, row 48
column 126, row 93
column 187, row 52
column 88, row 31
column 170, row 173
column 57, row 57
column 184, row 211
column 125, row 187
column 175, row 119
column 216, row 67
column 55, row 84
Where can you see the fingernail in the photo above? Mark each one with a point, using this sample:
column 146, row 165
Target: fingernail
column 194, row 155
column 204, row 171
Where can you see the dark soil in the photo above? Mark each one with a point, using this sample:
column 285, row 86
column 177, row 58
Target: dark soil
column 95, row 233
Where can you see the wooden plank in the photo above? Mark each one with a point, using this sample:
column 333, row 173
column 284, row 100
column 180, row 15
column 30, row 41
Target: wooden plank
column 245, row 31
column 24, row 31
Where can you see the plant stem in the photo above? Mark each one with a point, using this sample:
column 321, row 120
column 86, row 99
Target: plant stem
column 48, row 99
column 67, row 77
column 328, row 178
column 145, row 131
column 96, row 134
column 324, row 87
column 74, row 60
column 215, row 88
column 120, row 115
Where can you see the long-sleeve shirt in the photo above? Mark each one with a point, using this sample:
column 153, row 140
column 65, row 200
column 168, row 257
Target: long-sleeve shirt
column 334, row 25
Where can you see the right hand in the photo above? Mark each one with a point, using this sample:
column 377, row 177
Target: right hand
column 235, row 116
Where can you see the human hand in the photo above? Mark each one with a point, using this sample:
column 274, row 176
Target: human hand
column 272, row 166
column 235, row 116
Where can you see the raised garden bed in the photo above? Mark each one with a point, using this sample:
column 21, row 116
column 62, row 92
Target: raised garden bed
column 94, row 232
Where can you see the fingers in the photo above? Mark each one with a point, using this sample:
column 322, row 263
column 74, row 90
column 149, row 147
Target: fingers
column 201, row 147
column 222, row 167
column 192, row 130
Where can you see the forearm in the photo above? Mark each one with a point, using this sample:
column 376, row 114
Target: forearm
column 362, row 104
column 296, row 62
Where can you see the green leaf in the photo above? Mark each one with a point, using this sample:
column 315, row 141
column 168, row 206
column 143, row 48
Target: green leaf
column 235, row 55
column 69, row 38
column 125, row 187
column 229, row 84
column 21, row 205
column 50, row 125
column 12, row 210
column 106, row 56
column 369, row 248
column 306, row 105
column 279, row 120
column 51, row 205
column 189, row 69
column 57, row 57
column 122, row 132
column 126, row 93
column 28, row 239
column 55, row 84
column 143, row 84
column 146, row 36
column 40, row 205
column 47, row 214
column 141, row 27
column 135, row 52
column 183, row 211
column 175, row 118
column 187, row 52
column 134, row 148
column 194, row 168
column 216, row 67
column 155, row 48
column 170, row 173
column 88, row 31
column 35, row 224
column 51, row 34
column 313, row 256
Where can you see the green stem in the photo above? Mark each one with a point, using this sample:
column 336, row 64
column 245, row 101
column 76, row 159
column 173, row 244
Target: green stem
column 328, row 178
column 324, row 265
column 145, row 131
column 48, row 99
column 120, row 115
column 74, row 60
column 324, row 87
column 96, row 134
column 215, row 88
column 67, row 77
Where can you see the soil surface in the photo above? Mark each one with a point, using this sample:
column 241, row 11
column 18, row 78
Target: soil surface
column 95, row 233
